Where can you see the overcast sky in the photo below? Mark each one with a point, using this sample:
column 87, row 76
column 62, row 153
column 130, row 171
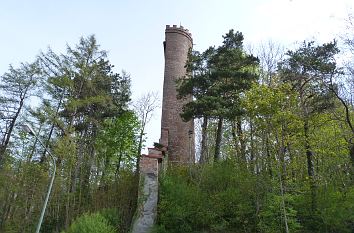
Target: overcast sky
column 132, row 31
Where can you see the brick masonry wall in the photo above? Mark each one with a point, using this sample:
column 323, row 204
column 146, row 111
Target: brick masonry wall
column 148, row 165
column 177, row 43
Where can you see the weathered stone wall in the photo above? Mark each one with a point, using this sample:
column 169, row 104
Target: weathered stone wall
column 177, row 43
column 148, row 195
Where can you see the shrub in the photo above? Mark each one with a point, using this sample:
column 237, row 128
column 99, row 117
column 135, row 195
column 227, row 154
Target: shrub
column 90, row 223
column 114, row 218
column 211, row 199
column 223, row 197
column 271, row 216
column 336, row 209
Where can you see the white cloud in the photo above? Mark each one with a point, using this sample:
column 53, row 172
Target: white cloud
column 296, row 20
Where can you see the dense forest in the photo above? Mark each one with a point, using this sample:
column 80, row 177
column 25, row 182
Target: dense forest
column 78, row 108
column 275, row 141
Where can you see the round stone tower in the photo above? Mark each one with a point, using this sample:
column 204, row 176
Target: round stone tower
column 175, row 133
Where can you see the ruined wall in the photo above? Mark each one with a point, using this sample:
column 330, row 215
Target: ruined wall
column 174, row 132
column 147, row 198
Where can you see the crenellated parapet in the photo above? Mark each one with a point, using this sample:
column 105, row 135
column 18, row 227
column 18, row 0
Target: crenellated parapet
column 181, row 30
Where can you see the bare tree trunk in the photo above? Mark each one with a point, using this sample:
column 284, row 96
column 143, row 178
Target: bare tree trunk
column 218, row 140
column 310, row 165
column 350, row 125
column 309, row 154
column 118, row 165
column 11, row 128
column 67, row 202
column 252, row 153
column 140, row 145
column 283, row 204
column 75, row 174
column 105, row 167
column 235, row 139
column 269, row 157
column 51, row 129
column 204, row 149
column 241, row 137
column 351, row 153
column 144, row 108
column 281, row 171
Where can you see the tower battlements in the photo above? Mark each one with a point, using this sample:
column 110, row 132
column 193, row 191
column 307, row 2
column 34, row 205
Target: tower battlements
column 181, row 30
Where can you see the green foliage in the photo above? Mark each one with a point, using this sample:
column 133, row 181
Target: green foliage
column 215, row 200
column 337, row 210
column 16, row 87
column 310, row 69
column 271, row 217
column 85, row 123
column 114, row 218
column 90, row 223
column 224, row 197
column 220, row 75
column 271, row 105
column 117, row 200
column 28, row 180
column 117, row 144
